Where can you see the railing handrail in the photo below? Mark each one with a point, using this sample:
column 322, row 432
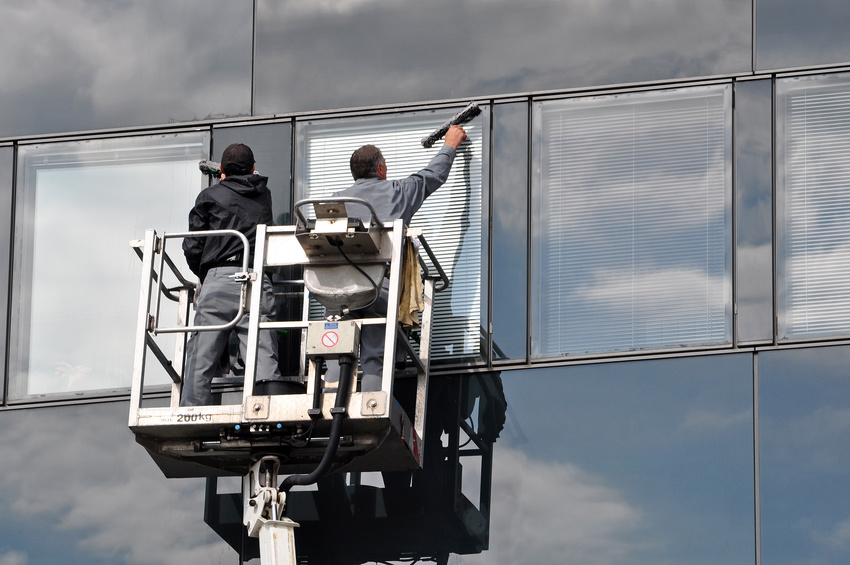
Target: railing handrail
column 335, row 199
column 245, row 277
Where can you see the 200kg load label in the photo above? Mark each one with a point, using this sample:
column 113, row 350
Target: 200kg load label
column 187, row 418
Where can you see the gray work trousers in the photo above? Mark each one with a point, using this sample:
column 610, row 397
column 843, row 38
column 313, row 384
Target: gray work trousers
column 218, row 304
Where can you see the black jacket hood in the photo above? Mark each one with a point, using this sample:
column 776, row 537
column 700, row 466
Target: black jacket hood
column 246, row 185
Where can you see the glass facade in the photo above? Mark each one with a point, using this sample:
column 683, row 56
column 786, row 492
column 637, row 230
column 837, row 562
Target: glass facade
column 447, row 49
column 643, row 354
column 794, row 33
column 95, row 64
column 647, row 462
column 804, row 461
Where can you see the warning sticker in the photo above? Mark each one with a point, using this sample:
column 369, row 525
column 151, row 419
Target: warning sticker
column 330, row 339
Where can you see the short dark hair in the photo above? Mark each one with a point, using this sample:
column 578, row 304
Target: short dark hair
column 364, row 162
column 237, row 159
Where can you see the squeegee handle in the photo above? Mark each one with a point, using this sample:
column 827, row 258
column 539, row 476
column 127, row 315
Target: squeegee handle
column 461, row 117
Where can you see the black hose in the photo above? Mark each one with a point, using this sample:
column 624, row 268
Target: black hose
column 346, row 372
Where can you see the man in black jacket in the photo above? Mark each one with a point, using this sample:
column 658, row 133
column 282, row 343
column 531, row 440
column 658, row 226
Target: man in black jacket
column 239, row 202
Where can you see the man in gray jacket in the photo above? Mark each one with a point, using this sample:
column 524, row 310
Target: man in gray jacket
column 391, row 199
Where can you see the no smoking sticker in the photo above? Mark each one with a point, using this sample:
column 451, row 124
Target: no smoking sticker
column 330, row 339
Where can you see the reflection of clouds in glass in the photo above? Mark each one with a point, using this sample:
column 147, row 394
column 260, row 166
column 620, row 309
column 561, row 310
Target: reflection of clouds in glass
column 814, row 245
column 94, row 481
column 14, row 558
column 633, row 199
column 818, row 291
column 755, row 305
column 86, row 64
column 809, row 441
column 542, row 512
column 85, row 278
column 615, row 289
column 801, row 32
column 804, row 455
column 712, row 422
column 448, row 49
column 834, row 540
column 663, row 447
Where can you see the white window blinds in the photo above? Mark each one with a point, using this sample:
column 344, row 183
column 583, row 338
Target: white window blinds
column 632, row 249
column 813, row 206
column 450, row 218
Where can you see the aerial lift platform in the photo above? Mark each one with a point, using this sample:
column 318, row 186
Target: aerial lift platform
column 320, row 428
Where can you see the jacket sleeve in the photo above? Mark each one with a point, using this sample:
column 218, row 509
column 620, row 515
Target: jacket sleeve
column 193, row 247
column 419, row 186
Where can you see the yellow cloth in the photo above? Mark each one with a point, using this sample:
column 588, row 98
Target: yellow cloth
column 411, row 301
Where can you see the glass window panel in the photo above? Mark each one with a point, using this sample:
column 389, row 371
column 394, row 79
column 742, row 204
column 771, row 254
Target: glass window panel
column 76, row 292
column 7, row 155
column 510, row 230
column 451, row 218
column 625, row 463
column 98, row 499
column 319, row 55
column 272, row 148
column 804, row 461
column 754, row 210
column 793, row 33
column 117, row 64
column 632, row 249
column 813, row 235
